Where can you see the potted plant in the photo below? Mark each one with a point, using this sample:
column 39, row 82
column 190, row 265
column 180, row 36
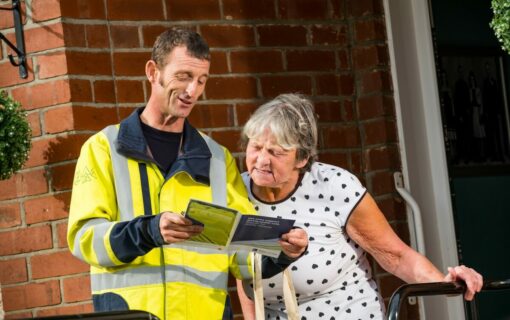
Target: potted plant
column 15, row 134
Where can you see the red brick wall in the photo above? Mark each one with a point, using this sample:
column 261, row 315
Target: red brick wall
column 86, row 69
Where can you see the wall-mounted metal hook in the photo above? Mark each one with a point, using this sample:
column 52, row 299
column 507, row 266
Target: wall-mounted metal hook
column 19, row 49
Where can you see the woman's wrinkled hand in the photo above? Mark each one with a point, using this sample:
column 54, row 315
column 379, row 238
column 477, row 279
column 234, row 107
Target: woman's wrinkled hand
column 473, row 280
column 294, row 242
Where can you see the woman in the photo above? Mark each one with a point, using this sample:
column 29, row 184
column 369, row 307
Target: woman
column 333, row 280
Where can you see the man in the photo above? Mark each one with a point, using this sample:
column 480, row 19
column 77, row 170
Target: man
column 132, row 181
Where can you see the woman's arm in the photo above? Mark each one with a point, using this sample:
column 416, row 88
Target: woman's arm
column 247, row 305
column 368, row 227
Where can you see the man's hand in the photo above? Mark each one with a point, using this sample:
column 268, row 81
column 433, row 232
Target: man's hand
column 175, row 228
column 473, row 280
column 294, row 242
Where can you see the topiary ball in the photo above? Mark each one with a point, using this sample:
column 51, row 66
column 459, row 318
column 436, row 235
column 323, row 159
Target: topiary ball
column 15, row 134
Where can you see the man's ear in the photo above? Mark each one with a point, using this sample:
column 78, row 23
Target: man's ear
column 151, row 70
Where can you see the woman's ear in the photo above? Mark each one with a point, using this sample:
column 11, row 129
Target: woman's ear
column 301, row 163
column 151, row 70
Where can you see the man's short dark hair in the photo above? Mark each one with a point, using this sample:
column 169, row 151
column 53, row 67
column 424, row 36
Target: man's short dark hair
column 179, row 36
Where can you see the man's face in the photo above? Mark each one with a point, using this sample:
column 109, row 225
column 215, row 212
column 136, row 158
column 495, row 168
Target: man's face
column 177, row 86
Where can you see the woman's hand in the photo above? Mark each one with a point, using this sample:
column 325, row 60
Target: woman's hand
column 294, row 242
column 473, row 280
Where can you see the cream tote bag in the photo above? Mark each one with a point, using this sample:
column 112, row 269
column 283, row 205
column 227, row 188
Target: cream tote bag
column 289, row 294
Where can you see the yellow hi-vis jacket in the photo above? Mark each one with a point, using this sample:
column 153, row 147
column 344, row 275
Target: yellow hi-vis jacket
column 118, row 193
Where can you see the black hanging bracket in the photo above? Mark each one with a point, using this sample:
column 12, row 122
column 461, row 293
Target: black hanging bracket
column 20, row 40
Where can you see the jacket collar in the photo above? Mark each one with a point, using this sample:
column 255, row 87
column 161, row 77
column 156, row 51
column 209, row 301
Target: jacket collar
column 194, row 157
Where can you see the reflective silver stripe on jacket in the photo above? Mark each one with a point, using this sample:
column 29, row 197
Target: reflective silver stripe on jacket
column 242, row 262
column 152, row 275
column 100, row 227
column 217, row 172
column 121, row 176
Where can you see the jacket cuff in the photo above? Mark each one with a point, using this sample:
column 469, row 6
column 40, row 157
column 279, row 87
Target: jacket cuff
column 155, row 231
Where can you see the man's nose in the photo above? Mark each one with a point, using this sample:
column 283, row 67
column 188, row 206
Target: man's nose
column 191, row 89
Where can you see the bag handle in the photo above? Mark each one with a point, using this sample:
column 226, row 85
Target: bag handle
column 289, row 293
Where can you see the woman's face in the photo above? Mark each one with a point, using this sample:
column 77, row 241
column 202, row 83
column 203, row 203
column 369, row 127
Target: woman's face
column 270, row 165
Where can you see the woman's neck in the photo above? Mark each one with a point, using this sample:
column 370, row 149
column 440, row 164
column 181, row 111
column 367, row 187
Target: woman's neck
column 274, row 194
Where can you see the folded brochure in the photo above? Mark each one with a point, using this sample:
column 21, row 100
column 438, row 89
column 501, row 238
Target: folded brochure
column 226, row 228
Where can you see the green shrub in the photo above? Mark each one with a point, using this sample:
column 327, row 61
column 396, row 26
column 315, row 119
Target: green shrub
column 15, row 134
column 501, row 22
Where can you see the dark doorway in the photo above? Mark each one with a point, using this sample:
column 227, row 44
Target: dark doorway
column 473, row 79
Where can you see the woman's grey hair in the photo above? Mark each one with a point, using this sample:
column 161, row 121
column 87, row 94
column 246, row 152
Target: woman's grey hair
column 291, row 120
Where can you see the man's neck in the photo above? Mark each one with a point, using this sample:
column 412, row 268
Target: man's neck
column 161, row 122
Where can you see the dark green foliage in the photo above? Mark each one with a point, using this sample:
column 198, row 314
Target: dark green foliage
column 15, row 136
column 501, row 22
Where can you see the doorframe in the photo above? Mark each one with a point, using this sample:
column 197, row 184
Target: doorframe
column 420, row 133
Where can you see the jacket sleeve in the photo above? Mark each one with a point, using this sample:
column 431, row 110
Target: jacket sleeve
column 94, row 233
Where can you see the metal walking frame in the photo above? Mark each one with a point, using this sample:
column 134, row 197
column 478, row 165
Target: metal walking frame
column 439, row 288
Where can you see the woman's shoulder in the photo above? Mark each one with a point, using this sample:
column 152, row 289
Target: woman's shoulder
column 331, row 175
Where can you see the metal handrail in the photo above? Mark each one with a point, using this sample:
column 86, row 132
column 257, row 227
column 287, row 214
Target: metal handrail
column 436, row 288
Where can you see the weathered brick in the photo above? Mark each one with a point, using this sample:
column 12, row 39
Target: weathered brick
column 381, row 183
column 104, row 91
column 335, row 158
column 62, row 235
column 9, row 75
column 374, row 106
column 10, row 216
column 58, row 119
column 31, row 295
column 135, row 10
column 43, row 94
column 130, row 63
column 375, row 81
column 97, row 36
column 328, row 111
column 125, row 36
column 42, row 38
column 25, row 240
column 210, row 116
column 48, row 208
column 341, row 136
column 129, row 91
column 358, row 8
column 244, row 111
column 338, row 9
column 248, row 10
column 393, row 208
column 275, row 85
column 229, row 138
column 335, row 84
column 77, row 288
column 89, row 63
column 43, row 10
column 13, row 271
column 62, row 177
column 150, row 33
column 335, row 35
column 52, row 64
column 370, row 57
column 83, row 9
column 385, row 157
column 271, row 35
column 74, row 35
column 231, row 88
column 303, row 9
column 6, row 18
column 92, row 118
column 251, row 61
column 22, row 184
column 379, row 131
column 228, row 35
column 370, row 30
column 35, row 123
column 187, row 10
column 219, row 62
column 55, row 149
column 66, row 310
column 56, row 264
